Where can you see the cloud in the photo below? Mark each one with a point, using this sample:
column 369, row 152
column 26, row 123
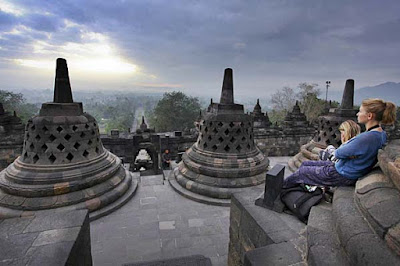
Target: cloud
column 270, row 44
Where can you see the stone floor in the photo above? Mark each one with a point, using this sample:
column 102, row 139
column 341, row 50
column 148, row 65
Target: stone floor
column 159, row 223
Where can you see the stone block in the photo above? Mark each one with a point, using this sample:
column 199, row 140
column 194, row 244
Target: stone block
column 277, row 254
column 393, row 239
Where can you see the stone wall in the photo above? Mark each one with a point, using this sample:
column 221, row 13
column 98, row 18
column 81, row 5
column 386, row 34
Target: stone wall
column 258, row 235
column 281, row 144
column 47, row 238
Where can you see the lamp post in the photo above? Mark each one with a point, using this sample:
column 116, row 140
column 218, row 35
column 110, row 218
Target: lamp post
column 328, row 83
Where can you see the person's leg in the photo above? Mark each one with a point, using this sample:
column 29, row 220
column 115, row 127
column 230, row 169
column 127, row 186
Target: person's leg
column 317, row 175
column 316, row 163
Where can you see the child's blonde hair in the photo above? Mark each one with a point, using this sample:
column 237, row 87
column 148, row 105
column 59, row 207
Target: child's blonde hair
column 350, row 129
column 385, row 112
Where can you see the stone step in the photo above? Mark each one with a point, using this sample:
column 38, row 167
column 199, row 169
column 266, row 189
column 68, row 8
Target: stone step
column 323, row 244
column 194, row 260
column 196, row 197
column 361, row 244
column 116, row 204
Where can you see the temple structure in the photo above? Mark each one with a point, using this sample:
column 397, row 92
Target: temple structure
column 260, row 119
column 11, row 137
column 63, row 162
column 328, row 128
column 224, row 158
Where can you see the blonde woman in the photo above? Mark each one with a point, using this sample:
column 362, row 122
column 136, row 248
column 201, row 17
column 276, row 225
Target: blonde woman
column 357, row 156
column 348, row 130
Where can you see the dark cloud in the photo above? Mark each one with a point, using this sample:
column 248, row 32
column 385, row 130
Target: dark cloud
column 269, row 43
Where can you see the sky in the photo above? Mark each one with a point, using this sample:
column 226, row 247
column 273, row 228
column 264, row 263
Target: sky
column 154, row 45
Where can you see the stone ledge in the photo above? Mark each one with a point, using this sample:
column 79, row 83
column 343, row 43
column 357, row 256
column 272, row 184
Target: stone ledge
column 253, row 227
column 359, row 241
column 47, row 238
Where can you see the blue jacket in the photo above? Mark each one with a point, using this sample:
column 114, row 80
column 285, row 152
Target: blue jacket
column 359, row 155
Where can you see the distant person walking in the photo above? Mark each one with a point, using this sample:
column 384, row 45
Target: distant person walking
column 166, row 159
column 357, row 156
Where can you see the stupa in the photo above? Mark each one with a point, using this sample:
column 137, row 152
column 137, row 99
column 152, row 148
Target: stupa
column 328, row 128
column 11, row 137
column 63, row 163
column 260, row 119
column 224, row 158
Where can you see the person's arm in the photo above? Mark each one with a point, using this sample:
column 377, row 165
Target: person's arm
column 354, row 148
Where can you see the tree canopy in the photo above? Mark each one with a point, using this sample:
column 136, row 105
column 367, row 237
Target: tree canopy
column 175, row 111
column 16, row 102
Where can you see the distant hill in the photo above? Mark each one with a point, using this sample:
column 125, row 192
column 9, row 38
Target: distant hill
column 389, row 91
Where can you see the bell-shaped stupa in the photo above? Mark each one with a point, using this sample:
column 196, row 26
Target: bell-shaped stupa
column 224, row 158
column 63, row 162
column 328, row 128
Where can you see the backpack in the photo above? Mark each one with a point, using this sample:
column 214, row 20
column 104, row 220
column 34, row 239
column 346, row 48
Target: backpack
column 300, row 199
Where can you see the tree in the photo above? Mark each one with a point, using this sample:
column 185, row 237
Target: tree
column 16, row 102
column 310, row 104
column 175, row 111
column 282, row 102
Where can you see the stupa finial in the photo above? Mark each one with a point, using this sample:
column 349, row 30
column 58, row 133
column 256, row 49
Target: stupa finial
column 227, row 87
column 62, row 87
column 348, row 95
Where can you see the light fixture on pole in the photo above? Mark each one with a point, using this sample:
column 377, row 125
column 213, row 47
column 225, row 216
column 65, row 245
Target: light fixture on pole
column 328, row 83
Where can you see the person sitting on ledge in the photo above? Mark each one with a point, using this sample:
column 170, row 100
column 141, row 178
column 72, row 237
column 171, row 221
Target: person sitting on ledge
column 356, row 157
column 166, row 159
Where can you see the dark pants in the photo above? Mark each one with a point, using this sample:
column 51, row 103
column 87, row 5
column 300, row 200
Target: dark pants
column 320, row 173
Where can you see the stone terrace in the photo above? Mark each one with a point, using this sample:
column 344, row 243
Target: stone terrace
column 159, row 223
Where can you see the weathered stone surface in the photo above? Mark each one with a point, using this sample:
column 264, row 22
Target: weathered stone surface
column 63, row 162
column 225, row 158
column 277, row 254
column 47, row 238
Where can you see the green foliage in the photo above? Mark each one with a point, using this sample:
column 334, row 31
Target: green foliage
column 175, row 111
column 307, row 95
column 16, row 102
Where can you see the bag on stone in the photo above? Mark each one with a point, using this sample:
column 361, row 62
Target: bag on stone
column 300, row 199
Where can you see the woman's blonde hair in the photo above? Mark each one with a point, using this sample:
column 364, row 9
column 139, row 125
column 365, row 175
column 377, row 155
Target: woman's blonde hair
column 350, row 129
column 385, row 112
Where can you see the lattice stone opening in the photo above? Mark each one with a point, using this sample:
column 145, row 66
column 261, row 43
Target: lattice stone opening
column 32, row 147
column 94, row 124
column 238, row 131
column 214, row 147
column 227, row 148
column 85, row 154
column 67, row 137
column 243, row 138
column 248, row 146
column 324, row 134
column 86, row 126
column 239, row 148
column 209, row 138
column 231, row 124
column 97, row 150
column 44, row 147
column 334, row 136
column 69, row 156
column 205, row 145
column 220, row 124
column 35, row 158
column 27, row 135
column 59, row 129
column 37, row 137
column 45, row 129
column 330, row 129
column 232, row 139
column 52, row 138
column 337, row 124
column 93, row 133
column 215, row 130
column 60, row 147
column 220, row 139
column 52, row 158
column 82, row 135
column 74, row 128
column 90, row 142
column 226, row 132
column 77, row 145
column 251, row 136
column 328, row 122
column 25, row 156
column 206, row 129
column 211, row 123
column 33, row 128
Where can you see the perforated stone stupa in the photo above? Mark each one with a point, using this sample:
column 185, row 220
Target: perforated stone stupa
column 63, row 162
column 328, row 128
column 224, row 158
